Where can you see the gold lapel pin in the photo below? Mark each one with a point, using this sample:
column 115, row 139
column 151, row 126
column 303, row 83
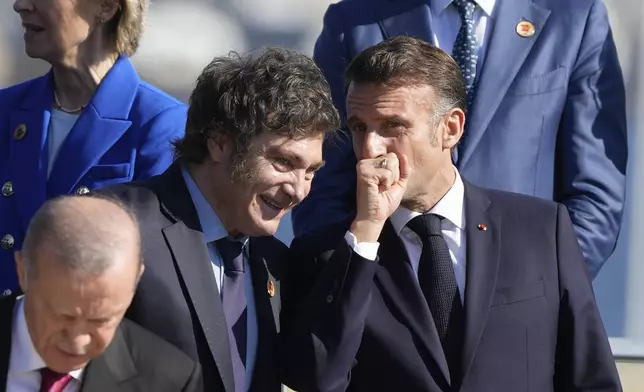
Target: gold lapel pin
column 482, row 227
column 525, row 29
column 271, row 288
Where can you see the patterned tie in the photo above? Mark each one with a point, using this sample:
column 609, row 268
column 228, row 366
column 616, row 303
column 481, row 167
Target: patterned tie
column 52, row 381
column 234, row 300
column 438, row 284
column 465, row 53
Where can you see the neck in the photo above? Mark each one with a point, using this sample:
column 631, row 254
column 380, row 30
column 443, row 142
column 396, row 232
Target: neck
column 207, row 180
column 438, row 187
column 77, row 77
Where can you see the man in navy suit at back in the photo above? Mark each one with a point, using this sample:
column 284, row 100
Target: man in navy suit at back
column 546, row 103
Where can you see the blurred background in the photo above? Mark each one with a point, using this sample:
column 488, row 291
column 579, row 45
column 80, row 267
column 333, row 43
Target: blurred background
column 182, row 36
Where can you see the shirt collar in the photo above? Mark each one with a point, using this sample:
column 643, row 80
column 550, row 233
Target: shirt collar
column 441, row 5
column 211, row 225
column 449, row 207
column 24, row 357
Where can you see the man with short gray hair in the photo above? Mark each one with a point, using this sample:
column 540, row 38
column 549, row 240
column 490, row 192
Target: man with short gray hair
column 79, row 267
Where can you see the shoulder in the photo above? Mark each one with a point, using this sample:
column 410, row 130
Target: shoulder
column 151, row 103
column 527, row 210
column 12, row 95
column 157, row 356
column 138, row 196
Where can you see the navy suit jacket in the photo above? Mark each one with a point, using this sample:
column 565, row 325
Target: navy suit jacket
column 548, row 119
column 177, row 298
column 123, row 134
column 531, row 321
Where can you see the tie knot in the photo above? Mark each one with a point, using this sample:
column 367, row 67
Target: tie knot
column 426, row 225
column 465, row 7
column 231, row 254
column 52, row 381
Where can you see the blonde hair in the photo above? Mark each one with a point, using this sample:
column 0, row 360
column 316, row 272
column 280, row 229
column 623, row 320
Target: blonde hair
column 126, row 27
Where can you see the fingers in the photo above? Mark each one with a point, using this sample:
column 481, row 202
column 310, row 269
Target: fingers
column 383, row 171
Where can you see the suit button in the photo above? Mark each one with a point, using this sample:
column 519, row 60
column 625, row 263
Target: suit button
column 329, row 298
column 7, row 242
column 82, row 190
column 20, row 132
column 7, row 189
column 6, row 293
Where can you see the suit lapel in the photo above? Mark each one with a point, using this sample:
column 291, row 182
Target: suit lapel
column 28, row 155
column 186, row 242
column 400, row 284
column 6, row 322
column 113, row 367
column 100, row 126
column 506, row 53
column 265, row 357
column 411, row 18
column 483, row 248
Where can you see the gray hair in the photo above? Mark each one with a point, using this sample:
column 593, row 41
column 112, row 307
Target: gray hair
column 85, row 242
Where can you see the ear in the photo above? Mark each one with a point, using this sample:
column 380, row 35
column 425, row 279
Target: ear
column 22, row 271
column 107, row 9
column 220, row 149
column 454, row 121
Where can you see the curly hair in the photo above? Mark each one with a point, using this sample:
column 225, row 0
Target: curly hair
column 240, row 97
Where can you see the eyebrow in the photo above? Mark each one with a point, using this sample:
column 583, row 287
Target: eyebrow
column 299, row 160
column 395, row 117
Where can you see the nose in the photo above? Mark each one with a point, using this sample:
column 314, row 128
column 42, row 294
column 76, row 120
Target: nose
column 373, row 145
column 299, row 188
column 77, row 341
column 22, row 6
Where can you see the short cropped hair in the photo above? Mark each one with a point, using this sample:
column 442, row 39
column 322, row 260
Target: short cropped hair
column 126, row 27
column 238, row 97
column 86, row 250
column 407, row 61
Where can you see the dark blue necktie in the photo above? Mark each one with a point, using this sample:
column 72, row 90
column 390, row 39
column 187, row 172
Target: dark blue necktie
column 438, row 284
column 465, row 53
column 234, row 301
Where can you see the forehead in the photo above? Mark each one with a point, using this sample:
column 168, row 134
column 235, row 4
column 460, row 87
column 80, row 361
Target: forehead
column 367, row 99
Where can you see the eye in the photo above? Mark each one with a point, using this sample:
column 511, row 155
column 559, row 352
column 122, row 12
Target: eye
column 283, row 163
column 394, row 124
column 358, row 128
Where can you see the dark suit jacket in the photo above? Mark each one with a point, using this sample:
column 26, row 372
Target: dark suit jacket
column 178, row 299
column 135, row 361
column 531, row 319
column 548, row 119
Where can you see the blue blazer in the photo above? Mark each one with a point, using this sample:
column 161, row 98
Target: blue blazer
column 548, row 119
column 123, row 134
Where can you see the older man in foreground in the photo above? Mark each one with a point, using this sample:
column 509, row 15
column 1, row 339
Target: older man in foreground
column 79, row 268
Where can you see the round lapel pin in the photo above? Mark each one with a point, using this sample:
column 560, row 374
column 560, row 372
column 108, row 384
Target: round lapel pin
column 271, row 288
column 525, row 29
column 482, row 227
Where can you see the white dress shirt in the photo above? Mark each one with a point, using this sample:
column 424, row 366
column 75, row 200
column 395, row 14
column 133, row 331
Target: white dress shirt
column 214, row 230
column 451, row 208
column 446, row 22
column 25, row 363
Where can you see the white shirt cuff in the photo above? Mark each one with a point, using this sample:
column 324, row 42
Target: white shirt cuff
column 367, row 250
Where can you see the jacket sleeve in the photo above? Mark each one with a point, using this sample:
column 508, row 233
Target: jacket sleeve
column 593, row 148
column 584, row 360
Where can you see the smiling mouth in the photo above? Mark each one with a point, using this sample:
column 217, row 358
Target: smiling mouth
column 272, row 204
column 32, row 28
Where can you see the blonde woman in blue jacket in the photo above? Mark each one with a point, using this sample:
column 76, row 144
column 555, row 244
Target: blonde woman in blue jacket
column 88, row 123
